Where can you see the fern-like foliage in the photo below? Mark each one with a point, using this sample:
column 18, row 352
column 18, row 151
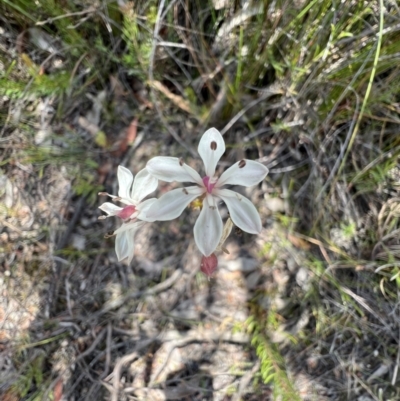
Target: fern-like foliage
column 138, row 39
column 272, row 363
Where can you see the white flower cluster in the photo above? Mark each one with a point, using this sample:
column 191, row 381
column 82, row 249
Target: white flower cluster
column 208, row 229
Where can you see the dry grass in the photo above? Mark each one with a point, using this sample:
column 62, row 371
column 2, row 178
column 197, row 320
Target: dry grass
column 308, row 310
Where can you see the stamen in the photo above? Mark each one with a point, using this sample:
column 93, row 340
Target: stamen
column 242, row 163
column 109, row 234
column 213, row 205
column 113, row 197
column 102, row 217
column 185, row 191
column 213, row 145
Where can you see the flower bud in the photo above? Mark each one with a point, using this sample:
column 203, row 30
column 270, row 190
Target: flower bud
column 209, row 264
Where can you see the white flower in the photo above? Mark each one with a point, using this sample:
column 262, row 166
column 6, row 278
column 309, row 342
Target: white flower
column 125, row 240
column 208, row 228
column 131, row 193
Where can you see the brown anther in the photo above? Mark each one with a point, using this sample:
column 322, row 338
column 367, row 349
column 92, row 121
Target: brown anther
column 225, row 251
column 102, row 194
column 213, row 145
column 185, row 191
column 181, row 161
column 242, row 163
column 109, row 234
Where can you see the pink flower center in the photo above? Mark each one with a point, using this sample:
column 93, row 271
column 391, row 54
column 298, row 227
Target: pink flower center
column 208, row 184
column 126, row 212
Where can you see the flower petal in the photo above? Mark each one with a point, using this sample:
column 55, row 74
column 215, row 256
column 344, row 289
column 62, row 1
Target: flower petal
column 208, row 227
column 130, row 226
column 122, row 244
column 131, row 252
column 172, row 204
column 211, row 148
column 243, row 213
column 125, row 179
column 244, row 172
column 143, row 208
column 172, row 169
column 125, row 245
column 143, row 185
column 110, row 208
